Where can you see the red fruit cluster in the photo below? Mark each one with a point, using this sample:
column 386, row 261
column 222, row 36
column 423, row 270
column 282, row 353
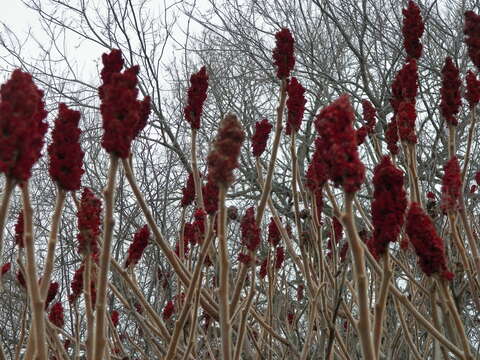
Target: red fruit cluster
column 196, row 96
column 56, row 316
column 168, row 310
column 295, row 105
column 115, row 316
column 406, row 122
column 300, row 290
column 52, row 292
column 260, row 137
column 66, row 155
column 472, row 93
column 273, row 233
column 199, row 217
column 137, row 247
column 283, row 56
column 279, row 257
column 21, row 279
column 337, row 229
column 263, row 268
column 428, row 246
column 405, row 85
column 391, row 136
column 22, row 125
column 223, row 158
column 188, row 191
column 317, row 170
column 19, row 228
column 123, row 115
column 88, row 222
column 337, row 145
column 250, row 230
column 413, row 28
column 361, row 135
column 389, row 205
column 430, row 195
column 477, row 177
column 471, row 30
column 5, row 268
column 369, row 114
column 210, row 197
column 193, row 233
column 451, row 185
column 450, row 92
column 77, row 284
column 244, row 258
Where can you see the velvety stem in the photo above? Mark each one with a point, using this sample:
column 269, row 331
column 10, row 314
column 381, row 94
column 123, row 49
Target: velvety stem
column 102, row 283
column 87, row 291
column 52, row 242
column 276, row 142
column 194, row 285
column 196, row 175
column 6, row 196
column 381, row 304
column 183, row 274
column 360, row 279
column 225, row 324
column 457, row 320
column 36, row 303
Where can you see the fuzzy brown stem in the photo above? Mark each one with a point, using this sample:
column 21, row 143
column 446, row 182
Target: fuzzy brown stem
column 87, row 279
column 6, row 196
column 102, row 283
column 456, row 317
column 196, row 175
column 192, row 288
column 471, row 131
column 360, row 279
column 207, row 302
column 381, row 304
column 276, row 142
column 225, row 324
column 245, row 313
column 52, row 242
column 36, row 303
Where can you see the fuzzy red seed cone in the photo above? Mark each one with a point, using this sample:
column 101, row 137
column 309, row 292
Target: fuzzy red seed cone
column 471, row 30
column 472, row 93
column 123, row 115
column 250, row 231
column 451, row 185
column 260, row 137
column 283, row 54
column 89, row 221
column 66, row 155
column 136, row 249
column 223, row 158
column 413, row 28
column 22, row 116
column 19, row 229
column 338, row 145
column 56, row 315
column 188, row 191
column 295, row 106
column 369, row 116
column 428, row 246
column 52, row 292
column 273, row 233
column 197, row 94
column 389, row 205
column 450, row 92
